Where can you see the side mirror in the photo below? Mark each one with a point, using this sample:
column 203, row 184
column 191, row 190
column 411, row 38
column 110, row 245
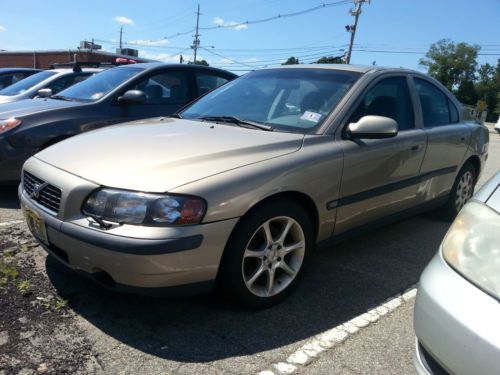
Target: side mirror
column 373, row 127
column 132, row 97
column 44, row 93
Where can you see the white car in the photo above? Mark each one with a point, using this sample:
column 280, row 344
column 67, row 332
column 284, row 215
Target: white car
column 458, row 300
column 51, row 81
column 497, row 126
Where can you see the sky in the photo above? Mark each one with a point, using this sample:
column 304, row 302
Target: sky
column 389, row 33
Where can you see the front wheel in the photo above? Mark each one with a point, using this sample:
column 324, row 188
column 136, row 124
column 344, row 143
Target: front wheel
column 266, row 254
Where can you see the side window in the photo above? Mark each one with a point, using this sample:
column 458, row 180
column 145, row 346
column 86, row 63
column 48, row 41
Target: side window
column 434, row 104
column 453, row 112
column 79, row 78
column 166, row 88
column 67, row 81
column 17, row 77
column 208, row 81
column 58, row 85
column 389, row 98
column 4, row 81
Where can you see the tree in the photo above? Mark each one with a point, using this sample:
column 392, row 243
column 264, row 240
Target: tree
column 331, row 60
column 291, row 61
column 454, row 65
column 488, row 89
column 200, row 62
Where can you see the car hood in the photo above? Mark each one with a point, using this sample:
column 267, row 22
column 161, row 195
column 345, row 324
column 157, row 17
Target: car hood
column 25, row 107
column 160, row 155
column 7, row 99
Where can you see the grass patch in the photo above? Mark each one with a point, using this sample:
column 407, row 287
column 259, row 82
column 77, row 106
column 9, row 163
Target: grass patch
column 60, row 304
column 8, row 271
column 25, row 287
column 9, row 253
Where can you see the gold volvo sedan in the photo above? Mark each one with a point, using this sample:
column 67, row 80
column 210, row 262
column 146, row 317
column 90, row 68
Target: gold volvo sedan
column 238, row 188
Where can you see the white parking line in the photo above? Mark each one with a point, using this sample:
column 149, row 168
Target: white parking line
column 328, row 339
column 13, row 222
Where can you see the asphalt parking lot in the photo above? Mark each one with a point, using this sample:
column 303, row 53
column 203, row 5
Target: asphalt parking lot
column 67, row 324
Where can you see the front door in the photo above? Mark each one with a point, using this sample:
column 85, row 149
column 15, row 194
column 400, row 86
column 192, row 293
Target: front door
column 166, row 92
column 380, row 176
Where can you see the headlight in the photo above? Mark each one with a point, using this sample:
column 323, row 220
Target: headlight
column 472, row 246
column 144, row 209
column 9, row 124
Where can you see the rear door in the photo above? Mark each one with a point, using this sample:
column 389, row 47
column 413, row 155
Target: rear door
column 448, row 139
column 380, row 176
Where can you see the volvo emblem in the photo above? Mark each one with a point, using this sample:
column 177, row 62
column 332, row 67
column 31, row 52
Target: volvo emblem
column 35, row 194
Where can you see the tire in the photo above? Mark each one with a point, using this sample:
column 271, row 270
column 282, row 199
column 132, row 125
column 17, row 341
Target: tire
column 258, row 268
column 461, row 192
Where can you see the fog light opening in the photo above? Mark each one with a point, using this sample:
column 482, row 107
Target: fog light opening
column 104, row 278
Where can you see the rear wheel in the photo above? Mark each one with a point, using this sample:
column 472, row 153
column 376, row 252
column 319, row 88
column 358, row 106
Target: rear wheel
column 266, row 254
column 462, row 191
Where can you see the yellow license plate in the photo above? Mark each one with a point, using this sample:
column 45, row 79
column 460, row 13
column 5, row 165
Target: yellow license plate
column 36, row 225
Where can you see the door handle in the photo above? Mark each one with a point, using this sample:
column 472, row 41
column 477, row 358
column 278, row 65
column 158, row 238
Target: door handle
column 415, row 147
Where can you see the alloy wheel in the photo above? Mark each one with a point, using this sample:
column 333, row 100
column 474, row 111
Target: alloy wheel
column 465, row 189
column 273, row 256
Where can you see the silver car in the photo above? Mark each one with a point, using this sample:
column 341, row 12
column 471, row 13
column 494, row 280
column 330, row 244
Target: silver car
column 458, row 301
column 238, row 188
column 44, row 84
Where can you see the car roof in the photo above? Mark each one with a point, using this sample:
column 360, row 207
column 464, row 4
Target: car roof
column 63, row 70
column 7, row 70
column 159, row 65
column 347, row 67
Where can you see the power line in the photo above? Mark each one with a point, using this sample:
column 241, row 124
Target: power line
column 227, row 58
column 263, row 20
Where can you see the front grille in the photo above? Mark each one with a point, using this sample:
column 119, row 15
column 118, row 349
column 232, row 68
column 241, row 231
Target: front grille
column 42, row 192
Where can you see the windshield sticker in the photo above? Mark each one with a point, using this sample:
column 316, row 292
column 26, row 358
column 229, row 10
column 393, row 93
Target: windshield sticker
column 311, row 116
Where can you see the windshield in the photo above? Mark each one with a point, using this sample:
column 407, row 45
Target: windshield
column 97, row 86
column 27, row 83
column 296, row 100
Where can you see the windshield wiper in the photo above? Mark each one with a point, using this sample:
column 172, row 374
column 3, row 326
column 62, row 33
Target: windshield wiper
column 60, row 97
column 174, row 115
column 237, row 121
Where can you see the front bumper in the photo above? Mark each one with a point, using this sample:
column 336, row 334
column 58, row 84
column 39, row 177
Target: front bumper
column 11, row 161
column 126, row 257
column 456, row 324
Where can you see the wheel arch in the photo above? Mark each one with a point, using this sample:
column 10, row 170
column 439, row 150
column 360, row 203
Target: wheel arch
column 304, row 200
column 476, row 163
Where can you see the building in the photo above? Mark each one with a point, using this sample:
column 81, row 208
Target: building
column 43, row 59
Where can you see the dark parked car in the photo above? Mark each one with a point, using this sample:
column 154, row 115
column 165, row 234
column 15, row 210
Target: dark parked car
column 8, row 76
column 116, row 95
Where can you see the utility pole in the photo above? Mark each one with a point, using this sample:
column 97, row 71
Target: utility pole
column 196, row 42
column 352, row 28
column 121, row 33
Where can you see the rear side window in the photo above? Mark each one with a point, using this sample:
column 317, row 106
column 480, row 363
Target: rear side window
column 170, row 87
column 435, row 105
column 208, row 81
column 389, row 98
